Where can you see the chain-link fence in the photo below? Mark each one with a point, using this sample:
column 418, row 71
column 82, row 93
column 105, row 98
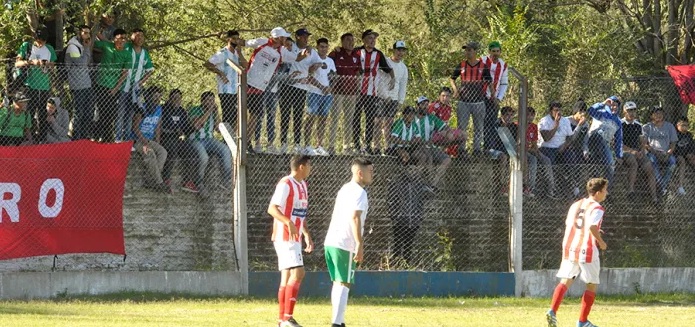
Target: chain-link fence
column 439, row 202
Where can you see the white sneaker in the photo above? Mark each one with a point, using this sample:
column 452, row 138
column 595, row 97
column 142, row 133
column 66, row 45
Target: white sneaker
column 321, row 151
column 681, row 190
column 310, row 150
column 258, row 148
column 271, row 149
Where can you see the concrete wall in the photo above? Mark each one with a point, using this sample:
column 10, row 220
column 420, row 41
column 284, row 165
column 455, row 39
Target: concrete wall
column 541, row 283
column 29, row 285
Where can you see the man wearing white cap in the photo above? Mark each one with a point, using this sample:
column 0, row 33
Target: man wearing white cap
column 392, row 98
column 267, row 55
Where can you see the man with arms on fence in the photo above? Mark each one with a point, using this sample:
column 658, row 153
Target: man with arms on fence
column 78, row 59
column 343, row 246
column 288, row 207
column 496, row 89
column 580, row 256
column 114, row 69
column 320, row 99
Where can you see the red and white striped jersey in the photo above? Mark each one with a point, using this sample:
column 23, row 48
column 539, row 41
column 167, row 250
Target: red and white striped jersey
column 292, row 199
column 500, row 79
column 264, row 62
column 579, row 245
column 370, row 63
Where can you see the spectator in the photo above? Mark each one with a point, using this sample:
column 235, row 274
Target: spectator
column 606, row 129
column 684, row 152
column 106, row 30
column 371, row 60
column 442, row 106
column 57, row 122
column 114, row 69
column 267, row 56
column 78, row 59
column 204, row 120
column 293, row 96
column 496, row 90
column 535, row 157
column 406, row 139
column 345, row 90
column 574, row 153
column 319, row 97
column 433, row 129
column 633, row 155
column 174, row 127
column 15, row 122
column 498, row 150
column 659, row 138
column 406, row 203
column 40, row 57
column 392, row 98
column 139, row 72
column 554, row 130
column 227, row 77
column 471, row 93
column 147, row 131
column 455, row 138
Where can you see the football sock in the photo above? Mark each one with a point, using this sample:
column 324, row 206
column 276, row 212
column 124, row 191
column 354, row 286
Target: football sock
column 558, row 295
column 587, row 302
column 339, row 298
column 291, row 297
column 281, row 302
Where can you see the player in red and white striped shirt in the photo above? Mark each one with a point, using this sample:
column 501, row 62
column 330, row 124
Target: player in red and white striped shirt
column 580, row 248
column 288, row 208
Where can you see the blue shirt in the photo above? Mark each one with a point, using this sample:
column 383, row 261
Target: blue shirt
column 609, row 125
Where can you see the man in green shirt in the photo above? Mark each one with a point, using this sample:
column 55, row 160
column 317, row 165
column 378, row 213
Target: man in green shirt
column 437, row 159
column 15, row 122
column 204, row 120
column 406, row 139
column 116, row 61
column 39, row 57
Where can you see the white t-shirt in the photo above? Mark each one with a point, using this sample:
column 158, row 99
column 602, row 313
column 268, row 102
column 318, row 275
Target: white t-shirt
column 321, row 75
column 400, row 72
column 219, row 59
column 303, row 67
column 291, row 197
column 563, row 131
column 351, row 197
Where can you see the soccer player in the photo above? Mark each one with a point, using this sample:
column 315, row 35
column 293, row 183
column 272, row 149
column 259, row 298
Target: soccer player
column 288, row 207
column 580, row 250
column 343, row 245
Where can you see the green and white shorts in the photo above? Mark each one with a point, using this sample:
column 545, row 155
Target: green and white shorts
column 341, row 265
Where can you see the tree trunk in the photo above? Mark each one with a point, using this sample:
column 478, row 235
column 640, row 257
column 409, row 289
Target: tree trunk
column 658, row 38
column 672, row 36
column 688, row 29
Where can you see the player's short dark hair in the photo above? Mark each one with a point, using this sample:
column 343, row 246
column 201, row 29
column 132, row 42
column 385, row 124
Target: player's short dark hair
column 119, row 31
column 361, row 162
column 321, row 40
column 445, row 89
column 81, row 27
column 232, row 33
column 138, row 30
column 344, row 36
column 298, row 160
column 595, row 185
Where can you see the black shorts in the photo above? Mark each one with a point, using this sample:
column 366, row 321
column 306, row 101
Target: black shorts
column 387, row 109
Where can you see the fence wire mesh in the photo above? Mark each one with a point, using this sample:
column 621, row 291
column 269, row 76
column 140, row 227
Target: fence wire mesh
column 438, row 203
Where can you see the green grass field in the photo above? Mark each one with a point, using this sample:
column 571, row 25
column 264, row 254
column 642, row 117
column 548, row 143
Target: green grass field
column 165, row 310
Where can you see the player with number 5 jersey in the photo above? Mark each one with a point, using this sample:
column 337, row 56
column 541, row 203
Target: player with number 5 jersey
column 288, row 207
column 580, row 251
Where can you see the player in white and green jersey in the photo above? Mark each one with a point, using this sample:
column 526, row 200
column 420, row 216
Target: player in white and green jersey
column 343, row 245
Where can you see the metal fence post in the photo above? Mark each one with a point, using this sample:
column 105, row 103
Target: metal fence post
column 516, row 196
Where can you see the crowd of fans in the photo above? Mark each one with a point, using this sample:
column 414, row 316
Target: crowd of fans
column 343, row 99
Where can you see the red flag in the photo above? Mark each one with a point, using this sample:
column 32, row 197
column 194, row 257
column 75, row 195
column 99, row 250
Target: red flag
column 684, row 78
column 62, row 198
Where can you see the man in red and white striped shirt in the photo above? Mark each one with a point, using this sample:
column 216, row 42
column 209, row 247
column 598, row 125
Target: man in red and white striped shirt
column 371, row 60
column 495, row 90
column 288, row 207
column 580, row 246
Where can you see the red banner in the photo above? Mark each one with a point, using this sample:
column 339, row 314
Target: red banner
column 62, row 198
column 684, row 78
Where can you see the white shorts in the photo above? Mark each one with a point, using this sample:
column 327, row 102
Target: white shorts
column 289, row 254
column 588, row 272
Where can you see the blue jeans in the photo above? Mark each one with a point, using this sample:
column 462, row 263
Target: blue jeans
column 600, row 153
column 84, row 113
column 124, row 117
column 206, row 147
column 270, row 105
column 662, row 181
